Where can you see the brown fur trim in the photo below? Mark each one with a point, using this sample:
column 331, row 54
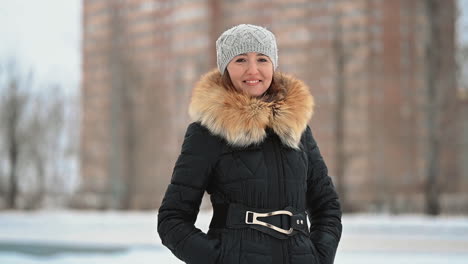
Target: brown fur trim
column 242, row 120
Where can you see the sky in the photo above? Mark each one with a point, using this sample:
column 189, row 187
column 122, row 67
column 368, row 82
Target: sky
column 45, row 37
column 462, row 23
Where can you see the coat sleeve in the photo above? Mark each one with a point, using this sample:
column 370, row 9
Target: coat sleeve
column 181, row 203
column 323, row 206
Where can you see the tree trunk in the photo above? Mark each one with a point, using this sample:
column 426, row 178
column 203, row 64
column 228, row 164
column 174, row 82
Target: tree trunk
column 13, row 106
column 340, row 80
column 432, row 54
column 13, row 157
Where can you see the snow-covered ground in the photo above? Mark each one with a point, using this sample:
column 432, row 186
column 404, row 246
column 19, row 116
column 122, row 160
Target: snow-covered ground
column 69, row 237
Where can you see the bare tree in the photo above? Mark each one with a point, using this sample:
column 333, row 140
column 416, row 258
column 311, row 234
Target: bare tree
column 13, row 105
column 125, row 78
column 440, row 87
column 42, row 140
column 340, row 58
column 32, row 130
column 432, row 113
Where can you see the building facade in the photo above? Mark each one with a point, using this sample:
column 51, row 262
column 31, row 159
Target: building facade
column 365, row 62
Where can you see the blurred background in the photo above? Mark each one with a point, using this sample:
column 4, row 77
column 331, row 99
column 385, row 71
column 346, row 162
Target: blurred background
column 93, row 109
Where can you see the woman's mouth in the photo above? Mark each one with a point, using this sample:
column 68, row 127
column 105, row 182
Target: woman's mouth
column 252, row 82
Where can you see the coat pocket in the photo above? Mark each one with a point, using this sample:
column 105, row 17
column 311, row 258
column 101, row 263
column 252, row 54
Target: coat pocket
column 313, row 250
column 218, row 234
column 303, row 251
column 228, row 248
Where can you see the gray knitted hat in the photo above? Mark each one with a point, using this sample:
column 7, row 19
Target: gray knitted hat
column 242, row 39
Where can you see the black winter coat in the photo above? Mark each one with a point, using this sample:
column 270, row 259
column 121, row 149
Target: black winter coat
column 266, row 166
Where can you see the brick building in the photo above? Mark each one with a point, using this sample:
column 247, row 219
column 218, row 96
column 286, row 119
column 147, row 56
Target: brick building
column 365, row 62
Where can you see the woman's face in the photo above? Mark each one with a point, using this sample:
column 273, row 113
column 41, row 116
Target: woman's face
column 251, row 72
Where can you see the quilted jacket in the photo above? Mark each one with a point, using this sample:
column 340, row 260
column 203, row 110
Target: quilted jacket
column 257, row 153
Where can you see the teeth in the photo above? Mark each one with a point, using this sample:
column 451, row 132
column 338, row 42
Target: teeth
column 252, row 81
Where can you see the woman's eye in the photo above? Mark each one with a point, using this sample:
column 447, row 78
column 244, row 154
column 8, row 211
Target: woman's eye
column 262, row 60
column 240, row 60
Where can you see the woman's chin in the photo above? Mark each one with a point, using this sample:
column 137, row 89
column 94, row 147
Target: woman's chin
column 256, row 93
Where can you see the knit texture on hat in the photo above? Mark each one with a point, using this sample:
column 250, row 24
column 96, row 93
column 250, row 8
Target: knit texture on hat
column 242, row 39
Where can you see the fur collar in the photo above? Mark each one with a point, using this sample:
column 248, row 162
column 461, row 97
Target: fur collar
column 241, row 120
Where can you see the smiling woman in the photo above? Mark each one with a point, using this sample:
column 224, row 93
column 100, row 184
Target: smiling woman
column 250, row 147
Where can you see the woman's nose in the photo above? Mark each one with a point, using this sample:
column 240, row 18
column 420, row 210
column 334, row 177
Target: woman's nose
column 252, row 68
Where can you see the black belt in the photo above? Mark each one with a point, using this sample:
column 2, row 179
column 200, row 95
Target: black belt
column 280, row 223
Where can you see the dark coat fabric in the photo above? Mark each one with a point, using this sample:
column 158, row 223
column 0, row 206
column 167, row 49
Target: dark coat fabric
column 272, row 172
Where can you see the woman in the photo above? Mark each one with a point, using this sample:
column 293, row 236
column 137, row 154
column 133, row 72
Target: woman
column 251, row 149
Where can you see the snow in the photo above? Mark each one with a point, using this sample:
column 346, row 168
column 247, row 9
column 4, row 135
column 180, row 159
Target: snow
column 404, row 239
column 69, row 237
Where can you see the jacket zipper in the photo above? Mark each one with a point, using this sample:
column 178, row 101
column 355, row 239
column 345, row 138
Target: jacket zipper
column 279, row 169
column 281, row 194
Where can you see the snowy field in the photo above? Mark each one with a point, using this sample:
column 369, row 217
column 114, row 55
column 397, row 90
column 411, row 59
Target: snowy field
column 66, row 237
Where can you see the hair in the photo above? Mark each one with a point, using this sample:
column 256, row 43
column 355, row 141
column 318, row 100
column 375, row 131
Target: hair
column 268, row 96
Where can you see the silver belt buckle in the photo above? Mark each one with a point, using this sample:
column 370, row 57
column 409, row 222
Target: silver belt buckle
column 255, row 221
